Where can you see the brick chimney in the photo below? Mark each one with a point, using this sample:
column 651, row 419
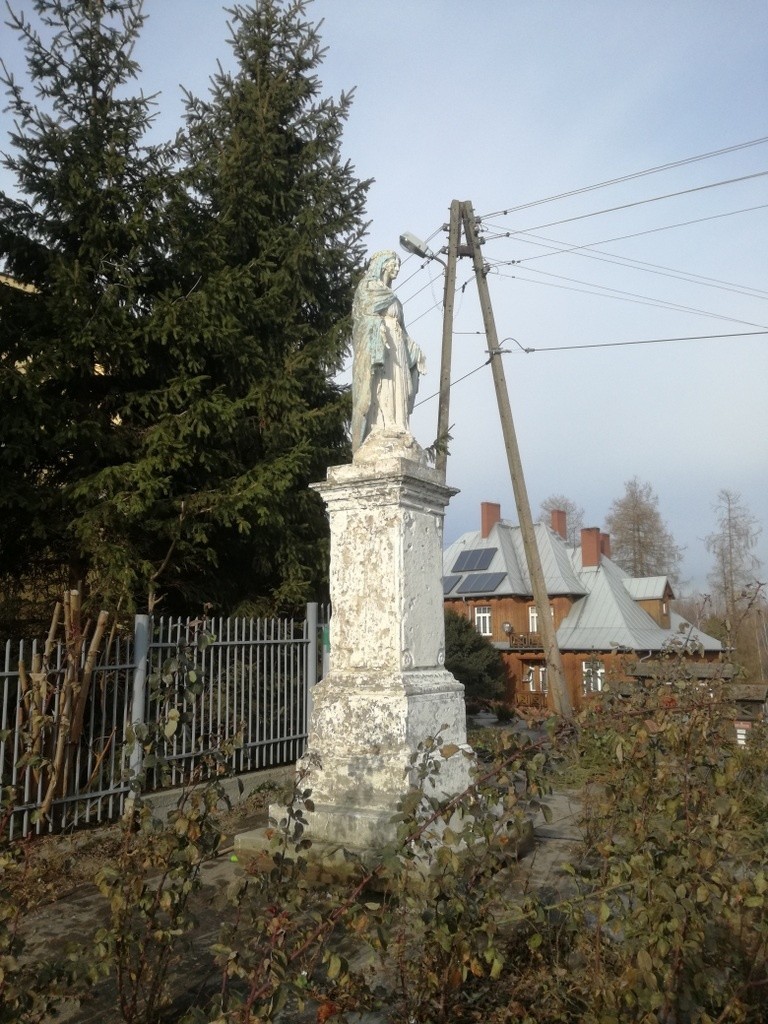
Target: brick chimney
column 590, row 547
column 605, row 544
column 490, row 514
column 559, row 522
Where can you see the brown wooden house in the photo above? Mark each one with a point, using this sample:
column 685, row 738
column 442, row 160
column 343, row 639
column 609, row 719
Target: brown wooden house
column 606, row 621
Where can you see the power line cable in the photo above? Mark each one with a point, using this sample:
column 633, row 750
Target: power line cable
column 569, row 247
column 643, row 341
column 629, row 177
column 599, row 344
column 459, row 288
column 643, row 202
column 643, row 300
column 631, row 264
column 452, row 384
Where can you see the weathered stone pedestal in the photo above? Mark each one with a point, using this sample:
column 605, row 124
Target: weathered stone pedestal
column 387, row 689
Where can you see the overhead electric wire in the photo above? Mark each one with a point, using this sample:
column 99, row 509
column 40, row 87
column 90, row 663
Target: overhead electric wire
column 503, row 233
column 452, row 384
column 458, row 288
column 588, row 288
column 597, row 344
column 642, row 202
column 643, row 341
column 569, row 247
column 627, row 262
column 643, row 300
column 628, row 177
column 631, row 264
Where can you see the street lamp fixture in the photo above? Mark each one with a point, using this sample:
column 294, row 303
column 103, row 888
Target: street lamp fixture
column 415, row 246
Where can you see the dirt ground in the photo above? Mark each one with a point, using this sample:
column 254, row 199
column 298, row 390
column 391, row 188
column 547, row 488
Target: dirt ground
column 60, row 865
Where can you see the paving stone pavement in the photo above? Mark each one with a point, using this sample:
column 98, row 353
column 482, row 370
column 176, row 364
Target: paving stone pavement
column 194, row 978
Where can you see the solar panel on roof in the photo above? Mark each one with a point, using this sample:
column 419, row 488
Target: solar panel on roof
column 474, row 559
column 481, row 582
column 449, row 582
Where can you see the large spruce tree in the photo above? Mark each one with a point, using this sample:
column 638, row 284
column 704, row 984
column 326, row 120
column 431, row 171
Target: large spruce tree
column 203, row 362
column 83, row 237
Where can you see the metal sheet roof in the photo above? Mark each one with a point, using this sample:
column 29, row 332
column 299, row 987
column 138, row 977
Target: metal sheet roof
column 648, row 588
column 608, row 618
column 605, row 614
column 508, row 558
column 682, row 626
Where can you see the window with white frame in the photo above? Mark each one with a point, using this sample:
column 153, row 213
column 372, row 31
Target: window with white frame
column 533, row 618
column 483, row 619
column 592, row 675
column 742, row 732
column 535, row 678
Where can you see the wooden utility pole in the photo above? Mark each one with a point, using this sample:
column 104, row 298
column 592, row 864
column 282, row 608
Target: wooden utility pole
column 443, row 424
column 555, row 673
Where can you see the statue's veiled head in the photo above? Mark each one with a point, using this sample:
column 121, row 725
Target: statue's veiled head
column 380, row 262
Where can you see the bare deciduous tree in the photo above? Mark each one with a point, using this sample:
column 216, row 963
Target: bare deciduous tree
column 574, row 515
column 737, row 591
column 641, row 542
column 731, row 544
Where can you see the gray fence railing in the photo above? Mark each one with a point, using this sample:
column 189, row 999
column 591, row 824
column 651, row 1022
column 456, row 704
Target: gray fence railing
column 221, row 680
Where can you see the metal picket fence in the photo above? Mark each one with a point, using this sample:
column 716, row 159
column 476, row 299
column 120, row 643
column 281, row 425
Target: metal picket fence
column 242, row 686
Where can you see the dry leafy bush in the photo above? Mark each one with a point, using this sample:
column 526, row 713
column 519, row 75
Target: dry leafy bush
column 670, row 923
column 661, row 918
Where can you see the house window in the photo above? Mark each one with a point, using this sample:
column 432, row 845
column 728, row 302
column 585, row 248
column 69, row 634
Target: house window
column 483, row 619
column 533, row 617
column 592, row 675
column 535, row 678
column 742, row 733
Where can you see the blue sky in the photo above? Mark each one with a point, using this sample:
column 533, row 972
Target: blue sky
column 509, row 102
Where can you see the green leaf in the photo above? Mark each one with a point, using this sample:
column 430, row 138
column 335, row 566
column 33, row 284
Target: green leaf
column 644, row 961
column 334, row 966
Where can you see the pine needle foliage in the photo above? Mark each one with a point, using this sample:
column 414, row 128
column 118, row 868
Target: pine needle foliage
column 472, row 658
column 197, row 371
column 83, row 232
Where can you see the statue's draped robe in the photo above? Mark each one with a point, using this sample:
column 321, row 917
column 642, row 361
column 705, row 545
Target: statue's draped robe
column 386, row 362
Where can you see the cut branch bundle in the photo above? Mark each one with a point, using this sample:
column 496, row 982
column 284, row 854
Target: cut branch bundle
column 54, row 727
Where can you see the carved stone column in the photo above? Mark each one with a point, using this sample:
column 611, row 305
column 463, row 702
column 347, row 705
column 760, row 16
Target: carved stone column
column 387, row 688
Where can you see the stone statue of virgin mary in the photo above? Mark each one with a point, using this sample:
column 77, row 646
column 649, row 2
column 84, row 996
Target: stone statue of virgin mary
column 386, row 362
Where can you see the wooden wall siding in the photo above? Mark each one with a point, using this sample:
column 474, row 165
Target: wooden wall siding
column 655, row 609
column 521, row 655
column 508, row 609
column 516, row 665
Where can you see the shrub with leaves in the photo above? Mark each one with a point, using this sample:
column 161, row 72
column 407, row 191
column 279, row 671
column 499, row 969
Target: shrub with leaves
column 473, row 659
column 416, row 928
column 672, row 923
column 30, row 988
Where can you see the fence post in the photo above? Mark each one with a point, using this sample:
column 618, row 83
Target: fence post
column 141, row 636
column 325, row 629
column 311, row 657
